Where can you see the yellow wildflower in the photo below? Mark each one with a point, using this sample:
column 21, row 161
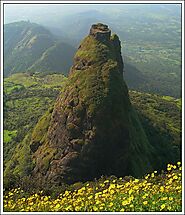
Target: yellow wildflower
column 179, row 163
column 163, row 206
column 111, row 204
column 145, row 202
column 164, row 198
column 46, row 198
column 95, row 208
column 161, row 189
column 125, row 202
column 130, row 191
column 175, row 177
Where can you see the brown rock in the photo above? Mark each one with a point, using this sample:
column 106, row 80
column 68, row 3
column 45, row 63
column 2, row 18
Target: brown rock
column 100, row 32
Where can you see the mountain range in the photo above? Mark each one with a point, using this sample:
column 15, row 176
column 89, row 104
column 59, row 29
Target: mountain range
column 29, row 47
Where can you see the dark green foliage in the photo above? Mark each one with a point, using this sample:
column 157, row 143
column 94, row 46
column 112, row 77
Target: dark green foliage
column 161, row 119
column 57, row 58
column 20, row 165
column 141, row 155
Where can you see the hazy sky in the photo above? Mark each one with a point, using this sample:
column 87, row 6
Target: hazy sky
column 43, row 12
column 14, row 12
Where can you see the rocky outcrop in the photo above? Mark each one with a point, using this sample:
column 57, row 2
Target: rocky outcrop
column 93, row 129
column 100, row 32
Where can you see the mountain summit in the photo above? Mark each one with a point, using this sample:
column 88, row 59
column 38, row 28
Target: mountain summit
column 100, row 32
column 92, row 129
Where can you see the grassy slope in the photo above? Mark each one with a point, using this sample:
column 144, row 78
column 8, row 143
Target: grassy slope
column 54, row 58
column 161, row 119
column 24, row 44
column 26, row 98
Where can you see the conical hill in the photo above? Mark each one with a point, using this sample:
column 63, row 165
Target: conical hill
column 93, row 129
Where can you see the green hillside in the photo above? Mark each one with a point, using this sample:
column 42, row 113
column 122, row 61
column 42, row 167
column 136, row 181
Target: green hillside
column 54, row 58
column 26, row 98
column 161, row 119
column 29, row 47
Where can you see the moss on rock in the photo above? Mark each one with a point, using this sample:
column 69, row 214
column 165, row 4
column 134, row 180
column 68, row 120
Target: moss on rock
column 40, row 131
column 93, row 129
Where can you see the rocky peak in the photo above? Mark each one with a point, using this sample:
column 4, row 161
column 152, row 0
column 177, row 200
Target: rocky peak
column 100, row 32
column 102, row 43
column 93, row 129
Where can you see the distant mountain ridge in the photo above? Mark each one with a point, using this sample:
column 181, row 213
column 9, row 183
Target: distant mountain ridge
column 29, row 47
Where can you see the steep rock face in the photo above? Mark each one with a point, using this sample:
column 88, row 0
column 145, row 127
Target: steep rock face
column 93, row 129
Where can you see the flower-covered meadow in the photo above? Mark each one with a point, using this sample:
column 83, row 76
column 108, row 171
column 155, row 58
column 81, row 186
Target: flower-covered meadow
column 154, row 192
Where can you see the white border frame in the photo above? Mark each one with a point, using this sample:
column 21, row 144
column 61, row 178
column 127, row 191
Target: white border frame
column 182, row 82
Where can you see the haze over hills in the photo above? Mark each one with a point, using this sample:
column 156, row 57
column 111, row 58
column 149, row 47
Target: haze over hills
column 73, row 20
column 150, row 35
column 29, row 47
